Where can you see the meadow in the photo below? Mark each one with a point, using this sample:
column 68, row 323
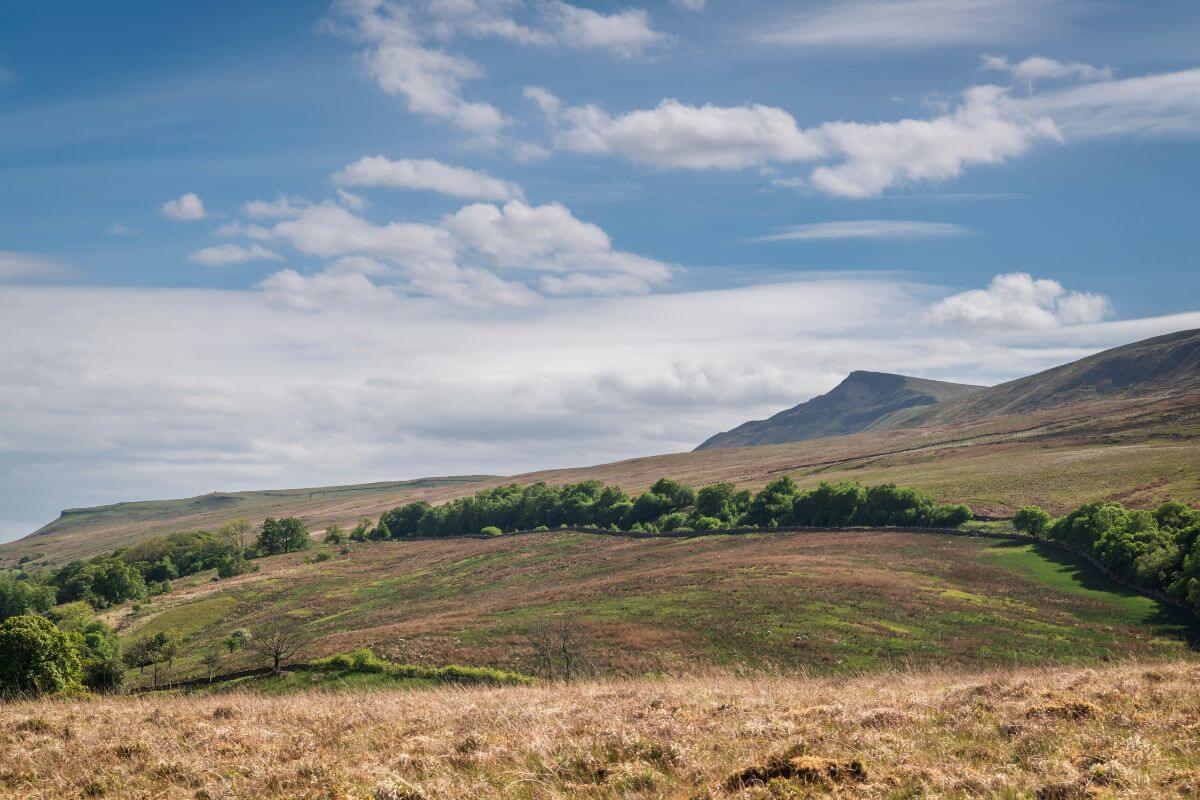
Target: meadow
column 1126, row 730
column 830, row 602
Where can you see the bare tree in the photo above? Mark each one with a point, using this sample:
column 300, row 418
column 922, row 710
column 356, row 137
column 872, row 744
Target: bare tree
column 237, row 533
column 559, row 647
column 278, row 640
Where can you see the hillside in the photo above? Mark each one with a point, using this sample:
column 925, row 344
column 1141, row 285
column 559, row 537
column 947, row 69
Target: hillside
column 829, row 602
column 1162, row 366
column 863, row 401
column 1124, row 730
column 1140, row 452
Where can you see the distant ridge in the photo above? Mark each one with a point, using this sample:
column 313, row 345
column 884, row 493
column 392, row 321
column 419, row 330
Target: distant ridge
column 1161, row 366
column 863, row 401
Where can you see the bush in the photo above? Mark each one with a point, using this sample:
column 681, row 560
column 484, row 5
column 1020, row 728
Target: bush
column 1031, row 520
column 491, row 530
column 37, row 658
column 19, row 596
column 950, row 516
column 286, row 535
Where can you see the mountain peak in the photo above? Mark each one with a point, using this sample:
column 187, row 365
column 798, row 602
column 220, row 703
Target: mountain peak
column 863, row 400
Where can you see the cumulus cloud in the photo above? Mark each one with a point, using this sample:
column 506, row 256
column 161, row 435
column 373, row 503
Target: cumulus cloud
column 674, row 134
column 224, row 254
column 1018, row 300
column 480, row 255
column 868, row 229
column 185, row 208
column 867, row 158
column 429, row 175
column 914, row 23
column 404, row 51
column 106, row 389
column 1038, row 68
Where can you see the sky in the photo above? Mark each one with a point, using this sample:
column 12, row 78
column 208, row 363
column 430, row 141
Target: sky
column 276, row 244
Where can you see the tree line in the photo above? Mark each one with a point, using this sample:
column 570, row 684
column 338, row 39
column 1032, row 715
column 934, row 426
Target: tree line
column 1155, row 550
column 668, row 506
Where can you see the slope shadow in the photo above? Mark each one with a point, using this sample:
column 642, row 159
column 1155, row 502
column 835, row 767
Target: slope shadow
column 1166, row 617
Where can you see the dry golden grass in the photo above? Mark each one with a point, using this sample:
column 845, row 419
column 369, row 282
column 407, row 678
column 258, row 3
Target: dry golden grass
column 1128, row 730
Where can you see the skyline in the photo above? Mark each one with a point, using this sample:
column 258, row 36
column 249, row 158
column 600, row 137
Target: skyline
column 301, row 244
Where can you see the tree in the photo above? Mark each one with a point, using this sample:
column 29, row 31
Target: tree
column 153, row 651
column 211, row 661
column 286, row 535
column 19, row 596
column 236, row 533
column 36, row 658
column 102, row 582
column 335, row 535
column 559, row 647
column 1031, row 520
column 97, row 644
column 237, row 640
column 278, row 640
column 359, row 534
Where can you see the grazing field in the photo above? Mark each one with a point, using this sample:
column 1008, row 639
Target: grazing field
column 1139, row 452
column 826, row 602
column 1126, row 730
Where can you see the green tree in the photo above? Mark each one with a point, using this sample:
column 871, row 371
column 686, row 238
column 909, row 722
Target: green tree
column 1031, row 520
column 335, row 535
column 359, row 534
column 237, row 640
column 37, row 658
column 153, row 651
column 211, row 661
column 19, row 595
column 285, row 535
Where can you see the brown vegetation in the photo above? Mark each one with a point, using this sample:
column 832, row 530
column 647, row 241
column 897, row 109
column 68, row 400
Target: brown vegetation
column 1127, row 730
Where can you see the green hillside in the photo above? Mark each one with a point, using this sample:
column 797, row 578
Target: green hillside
column 830, row 602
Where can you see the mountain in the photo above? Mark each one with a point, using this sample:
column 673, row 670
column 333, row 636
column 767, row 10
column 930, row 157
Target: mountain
column 863, row 401
column 1159, row 367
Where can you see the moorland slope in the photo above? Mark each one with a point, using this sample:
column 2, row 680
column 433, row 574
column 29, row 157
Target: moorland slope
column 834, row 601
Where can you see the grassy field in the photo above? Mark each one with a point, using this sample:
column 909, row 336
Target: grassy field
column 1140, row 452
column 824, row 602
column 1125, row 730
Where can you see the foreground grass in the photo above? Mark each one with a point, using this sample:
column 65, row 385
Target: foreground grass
column 1127, row 730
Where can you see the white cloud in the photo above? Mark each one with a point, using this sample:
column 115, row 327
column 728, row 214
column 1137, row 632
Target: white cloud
column 549, row 104
column 984, row 129
column 547, row 238
column 627, row 33
column 185, row 208
column 235, row 228
column 352, row 201
column 1017, row 300
column 120, row 229
column 281, row 207
column 17, row 266
column 470, row 257
column 404, row 57
column 690, row 5
column 915, row 23
column 225, row 254
column 674, row 134
column 429, row 175
column 868, row 229
column 1038, row 68
column 1167, row 104
column 868, row 158
column 104, row 389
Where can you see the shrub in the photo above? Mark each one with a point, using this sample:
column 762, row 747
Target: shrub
column 286, row 535
column 1031, row 520
column 37, row 658
column 491, row 530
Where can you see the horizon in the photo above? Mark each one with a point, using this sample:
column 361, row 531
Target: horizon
column 317, row 244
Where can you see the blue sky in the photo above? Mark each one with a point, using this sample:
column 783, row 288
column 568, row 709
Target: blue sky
column 506, row 234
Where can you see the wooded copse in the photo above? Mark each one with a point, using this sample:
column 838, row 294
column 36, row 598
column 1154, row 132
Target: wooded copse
column 1155, row 550
column 669, row 506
